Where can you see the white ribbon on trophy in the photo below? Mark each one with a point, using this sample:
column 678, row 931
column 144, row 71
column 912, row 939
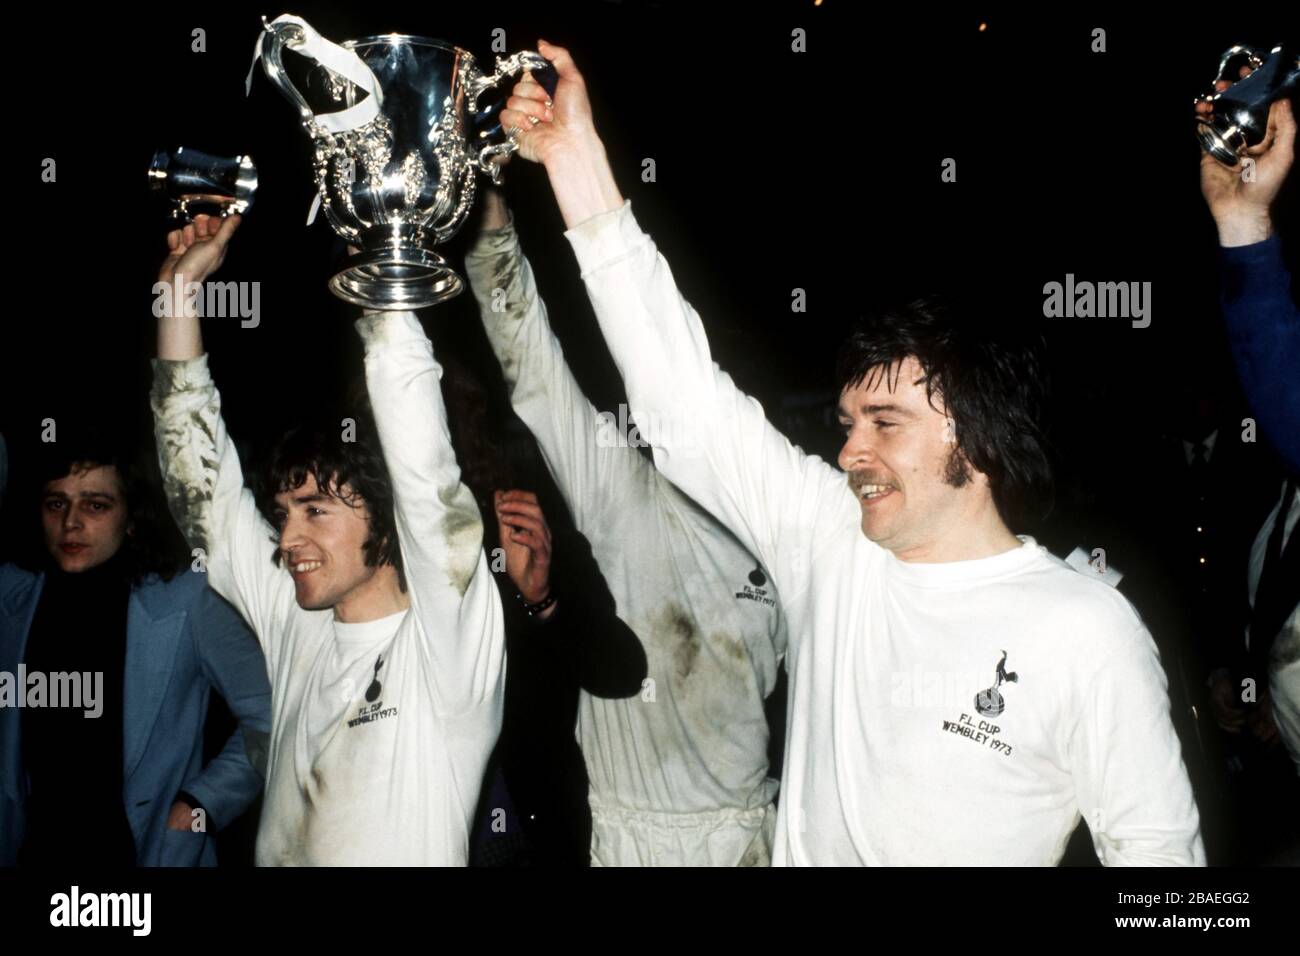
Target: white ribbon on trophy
column 338, row 60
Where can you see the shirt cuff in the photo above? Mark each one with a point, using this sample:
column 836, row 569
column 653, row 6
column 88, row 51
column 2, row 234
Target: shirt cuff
column 1255, row 255
column 180, row 375
column 605, row 238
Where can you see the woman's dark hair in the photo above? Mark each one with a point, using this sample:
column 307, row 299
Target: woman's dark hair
column 154, row 545
column 334, row 454
column 993, row 384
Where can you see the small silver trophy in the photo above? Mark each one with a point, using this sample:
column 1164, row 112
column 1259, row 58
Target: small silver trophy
column 193, row 182
column 1240, row 118
column 397, row 151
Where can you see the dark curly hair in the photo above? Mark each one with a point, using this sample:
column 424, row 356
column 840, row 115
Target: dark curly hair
column 317, row 450
column 993, row 384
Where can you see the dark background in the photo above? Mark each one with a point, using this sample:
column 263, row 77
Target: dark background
column 775, row 170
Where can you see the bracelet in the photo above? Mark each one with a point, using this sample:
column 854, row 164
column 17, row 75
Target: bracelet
column 532, row 610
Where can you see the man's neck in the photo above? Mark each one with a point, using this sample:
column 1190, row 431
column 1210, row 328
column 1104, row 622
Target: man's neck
column 981, row 535
column 377, row 598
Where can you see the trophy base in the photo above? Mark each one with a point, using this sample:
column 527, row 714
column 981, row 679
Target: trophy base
column 396, row 280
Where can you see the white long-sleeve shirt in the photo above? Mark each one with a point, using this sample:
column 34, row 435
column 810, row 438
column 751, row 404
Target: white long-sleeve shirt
column 678, row 774
column 380, row 731
column 889, row 758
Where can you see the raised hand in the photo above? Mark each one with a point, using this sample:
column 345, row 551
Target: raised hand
column 193, row 254
column 526, row 540
column 559, row 133
column 1239, row 203
column 197, row 250
column 547, row 126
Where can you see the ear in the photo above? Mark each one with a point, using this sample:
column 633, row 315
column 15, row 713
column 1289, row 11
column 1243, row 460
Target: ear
column 949, row 430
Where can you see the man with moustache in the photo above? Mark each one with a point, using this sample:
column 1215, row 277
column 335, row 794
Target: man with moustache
column 908, row 566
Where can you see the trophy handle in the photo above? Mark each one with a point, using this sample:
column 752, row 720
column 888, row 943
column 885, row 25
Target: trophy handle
column 273, row 42
column 478, row 84
column 298, row 35
column 1252, row 59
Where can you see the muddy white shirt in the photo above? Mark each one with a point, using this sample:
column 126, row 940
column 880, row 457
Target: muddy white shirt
column 964, row 713
column 380, row 732
column 679, row 773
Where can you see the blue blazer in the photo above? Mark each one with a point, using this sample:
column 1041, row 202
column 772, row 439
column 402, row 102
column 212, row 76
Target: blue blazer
column 182, row 640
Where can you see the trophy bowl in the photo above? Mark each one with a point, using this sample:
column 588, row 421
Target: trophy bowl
column 396, row 160
column 191, row 181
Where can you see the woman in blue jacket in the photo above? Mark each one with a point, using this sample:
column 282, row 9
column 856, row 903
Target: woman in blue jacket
column 106, row 664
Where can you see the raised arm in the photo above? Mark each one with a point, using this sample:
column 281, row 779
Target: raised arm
column 708, row 438
column 595, row 464
column 200, row 467
column 1262, row 321
column 438, row 523
column 1264, row 335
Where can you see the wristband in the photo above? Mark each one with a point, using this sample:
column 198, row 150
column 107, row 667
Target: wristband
column 532, row 610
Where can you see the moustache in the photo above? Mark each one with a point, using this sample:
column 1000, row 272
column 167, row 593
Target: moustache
column 858, row 479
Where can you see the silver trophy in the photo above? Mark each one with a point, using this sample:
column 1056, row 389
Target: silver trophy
column 398, row 150
column 193, row 182
column 1240, row 118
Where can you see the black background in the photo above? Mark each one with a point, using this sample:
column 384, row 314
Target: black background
column 775, row 170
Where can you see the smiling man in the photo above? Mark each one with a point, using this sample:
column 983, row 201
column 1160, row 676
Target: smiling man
column 919, row 496
column 899, row 574
column 332, row 503
column 365, row 580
